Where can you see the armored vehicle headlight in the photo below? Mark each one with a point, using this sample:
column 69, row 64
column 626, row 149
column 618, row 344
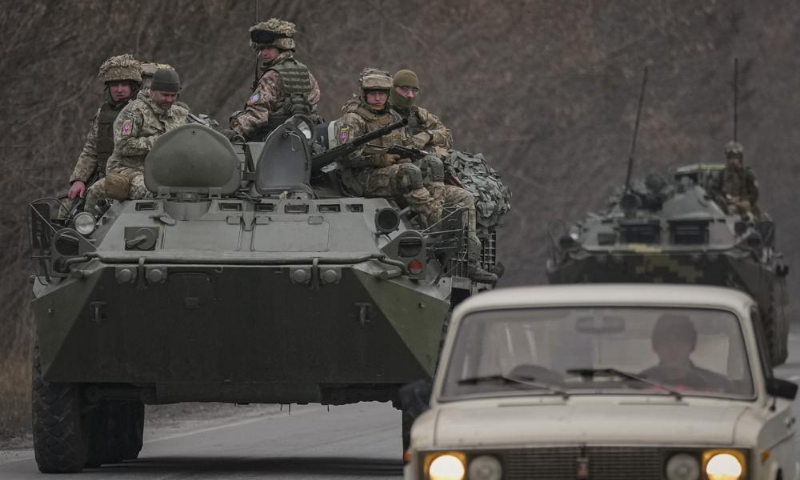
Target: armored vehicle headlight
column 446, row 467
column 485, row 467
column 85, row 223
column 724, row 466
column 683, row 467
column 387, row 220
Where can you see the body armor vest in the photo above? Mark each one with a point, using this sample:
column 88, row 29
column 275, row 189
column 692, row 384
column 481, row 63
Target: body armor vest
column 376, row 120
column 415, row 124
column 295, row 89
column 105, row 133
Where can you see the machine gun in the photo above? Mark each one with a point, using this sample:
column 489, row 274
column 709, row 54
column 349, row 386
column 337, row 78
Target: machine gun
column 323, row 159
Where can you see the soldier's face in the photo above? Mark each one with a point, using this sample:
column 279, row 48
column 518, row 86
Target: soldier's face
column 407, row 92
column 734, row 162
column 376, row 98
column 269, row 54
column 119, row 90
column 164, row 100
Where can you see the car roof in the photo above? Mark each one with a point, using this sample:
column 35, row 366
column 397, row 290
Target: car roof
column 663, row 295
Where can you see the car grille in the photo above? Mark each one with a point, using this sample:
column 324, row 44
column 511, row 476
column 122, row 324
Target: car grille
column 605, row 463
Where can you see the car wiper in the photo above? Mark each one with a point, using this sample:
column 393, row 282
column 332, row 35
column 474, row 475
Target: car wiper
column 591, row 372
column 532, row 382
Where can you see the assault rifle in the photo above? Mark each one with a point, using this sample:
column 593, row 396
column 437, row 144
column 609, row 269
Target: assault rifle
column 416, row 154
column 323, row 159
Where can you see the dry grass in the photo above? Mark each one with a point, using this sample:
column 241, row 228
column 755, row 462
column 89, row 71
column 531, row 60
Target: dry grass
column 15, row 400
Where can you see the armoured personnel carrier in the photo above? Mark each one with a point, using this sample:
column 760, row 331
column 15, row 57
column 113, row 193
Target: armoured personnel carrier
column 670, row 230
column 249, row 277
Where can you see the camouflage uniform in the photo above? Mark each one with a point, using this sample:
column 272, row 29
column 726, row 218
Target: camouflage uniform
column 426, row 132
column 370, row 171
column 100, row 140
column 286, row 86
column 135, row 132
column 736, row 185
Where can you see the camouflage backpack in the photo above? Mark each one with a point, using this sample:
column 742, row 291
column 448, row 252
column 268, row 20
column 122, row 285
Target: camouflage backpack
column 492, row 198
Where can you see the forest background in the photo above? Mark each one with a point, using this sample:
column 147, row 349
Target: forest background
column 547, row 90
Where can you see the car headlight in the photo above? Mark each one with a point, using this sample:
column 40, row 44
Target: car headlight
column 485, row 467
column 683, row 466
column 85, row 223
column 724, row 466
column 446, row 467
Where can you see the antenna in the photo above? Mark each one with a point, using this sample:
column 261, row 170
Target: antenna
column 635, row 132
column 736, row 100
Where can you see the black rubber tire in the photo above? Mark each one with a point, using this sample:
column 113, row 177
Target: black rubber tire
column 57, row 430
column 133, row 421
column 407, row 422
column 777, row 331
column 105, row 444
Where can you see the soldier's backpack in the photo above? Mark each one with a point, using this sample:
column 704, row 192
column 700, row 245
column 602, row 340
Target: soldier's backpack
column 492, row 197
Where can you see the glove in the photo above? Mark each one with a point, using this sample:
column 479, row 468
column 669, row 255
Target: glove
column 421, row 139
column 386, row 159
column 231, row 135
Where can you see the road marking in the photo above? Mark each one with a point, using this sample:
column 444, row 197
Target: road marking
column 232, row 425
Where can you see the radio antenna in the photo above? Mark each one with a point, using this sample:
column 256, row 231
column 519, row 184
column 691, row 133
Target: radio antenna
column 635, row 132
column 736, row 100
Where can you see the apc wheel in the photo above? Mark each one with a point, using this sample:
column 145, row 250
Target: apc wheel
column 57, row 430
column 131, row 420
column 777, row 331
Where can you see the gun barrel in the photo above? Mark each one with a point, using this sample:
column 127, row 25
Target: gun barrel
column 319, row 161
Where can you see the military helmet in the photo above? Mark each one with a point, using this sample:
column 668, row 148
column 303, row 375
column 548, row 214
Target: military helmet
column 272, row 33
column 734, row 149
column 121, row 67
column 375, row 79
column 166, row 80
column 406, row 78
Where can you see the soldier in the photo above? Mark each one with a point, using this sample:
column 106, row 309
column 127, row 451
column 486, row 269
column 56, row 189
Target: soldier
column 122, row 77
column 286, row 86
column 371, row 171
column 425, row 131
column 150, row 69
column 736, row 187
column 135, row 131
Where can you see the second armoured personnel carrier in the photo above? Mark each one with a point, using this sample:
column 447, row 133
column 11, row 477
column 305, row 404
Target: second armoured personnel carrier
column 670, row 230
column 249, row 277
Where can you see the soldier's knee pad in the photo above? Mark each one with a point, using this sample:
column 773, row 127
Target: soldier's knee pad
column 408, row 178
column 432, row 169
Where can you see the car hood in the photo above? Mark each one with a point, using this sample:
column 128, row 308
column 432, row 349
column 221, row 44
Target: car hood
column 600, row 423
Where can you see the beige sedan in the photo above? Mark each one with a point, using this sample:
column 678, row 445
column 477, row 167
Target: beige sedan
column 596, row 382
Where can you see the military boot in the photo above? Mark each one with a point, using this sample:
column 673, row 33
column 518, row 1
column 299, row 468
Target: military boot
column 475, row 271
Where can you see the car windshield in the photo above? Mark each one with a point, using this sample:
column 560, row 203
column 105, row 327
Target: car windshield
column 610, row 350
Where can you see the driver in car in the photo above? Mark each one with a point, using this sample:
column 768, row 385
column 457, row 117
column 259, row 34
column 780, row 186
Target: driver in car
column 674, row 339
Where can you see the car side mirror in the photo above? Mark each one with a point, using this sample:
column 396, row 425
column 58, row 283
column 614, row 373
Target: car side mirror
column 782, row 388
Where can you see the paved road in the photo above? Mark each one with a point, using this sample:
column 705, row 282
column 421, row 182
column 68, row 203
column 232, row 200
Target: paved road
column 355, row 441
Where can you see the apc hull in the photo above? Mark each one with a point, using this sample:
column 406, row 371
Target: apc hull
column 241, row 333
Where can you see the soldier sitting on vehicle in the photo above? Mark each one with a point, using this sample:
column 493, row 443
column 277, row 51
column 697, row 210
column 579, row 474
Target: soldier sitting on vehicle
column 286, row 86
column 426, row 132
column 674, row 339
column 135, row 132
column 122, row 77
column 371, row 171
column 736, row 188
